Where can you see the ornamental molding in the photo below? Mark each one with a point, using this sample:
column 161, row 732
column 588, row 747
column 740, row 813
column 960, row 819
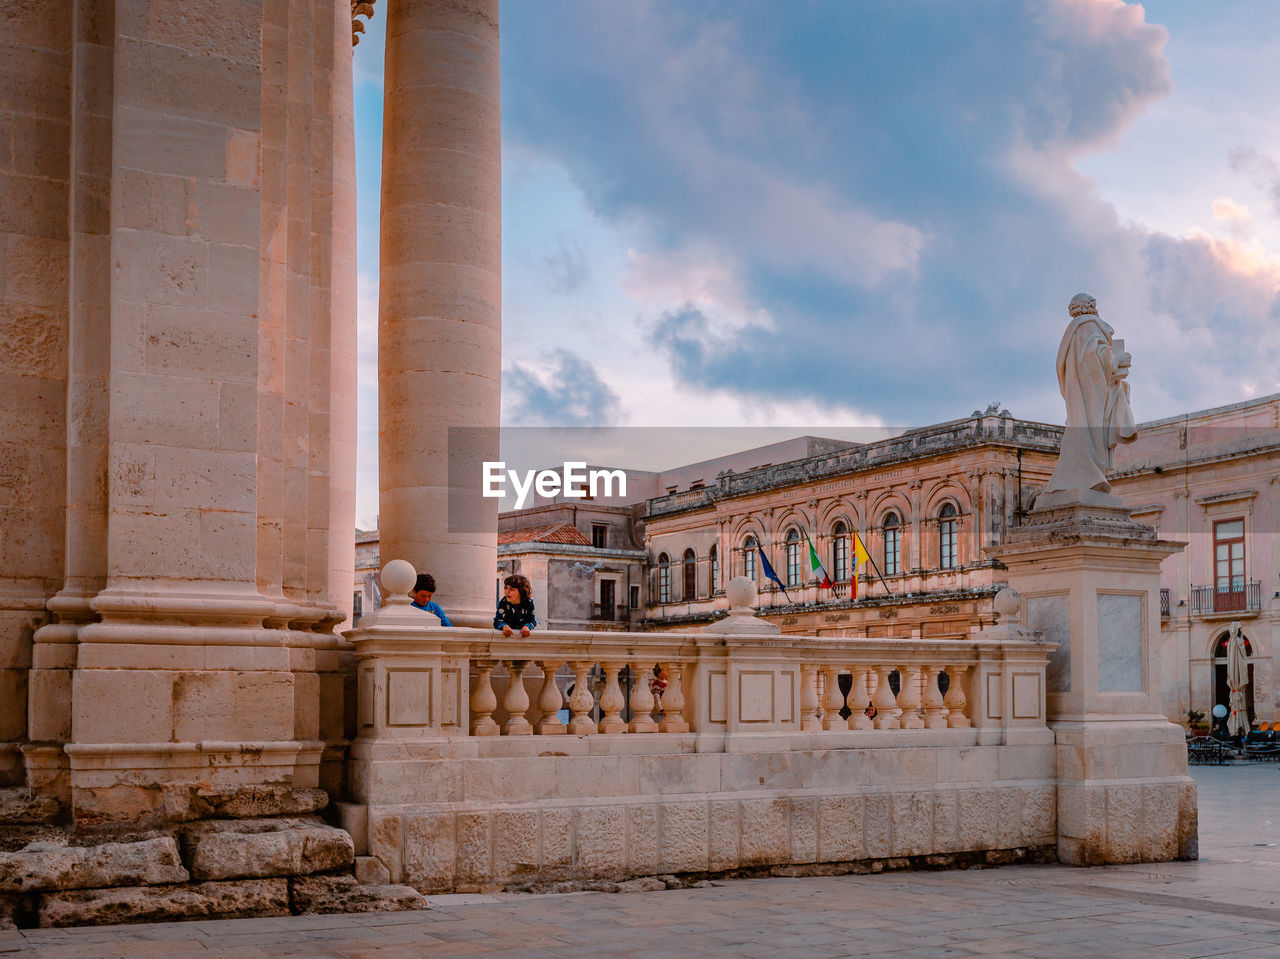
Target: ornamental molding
column 360, row 8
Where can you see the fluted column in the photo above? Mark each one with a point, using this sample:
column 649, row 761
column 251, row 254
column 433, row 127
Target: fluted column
column 440, row 319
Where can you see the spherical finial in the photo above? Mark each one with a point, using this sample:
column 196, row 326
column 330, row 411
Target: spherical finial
column 1081, row 304
column 398, row 577
column 741, row 593
column 1008, row 605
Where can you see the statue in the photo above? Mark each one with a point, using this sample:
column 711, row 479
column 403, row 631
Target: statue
column 1092, row 374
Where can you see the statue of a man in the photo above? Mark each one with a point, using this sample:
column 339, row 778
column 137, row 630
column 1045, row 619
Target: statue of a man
column 1092, row 371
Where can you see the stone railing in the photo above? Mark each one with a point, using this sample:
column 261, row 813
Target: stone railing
column 486, row 761
column 417, row 682
column 442, row 683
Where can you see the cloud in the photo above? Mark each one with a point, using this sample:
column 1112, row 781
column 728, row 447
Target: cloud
column 565, row 391
column 876, row 204
column 1262, row 169
column 567, row 266
column 1227, row 210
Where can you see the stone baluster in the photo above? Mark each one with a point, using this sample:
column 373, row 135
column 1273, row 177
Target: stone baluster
column 673, row 703
column 956, row 701
column 484, row 702
column 516, row 701
column 833, row 701
column 611, row 701
column 549, row 700
column 810, row 716
column 642, row 701
column 886, row 703
column 935, row 711
column 581, row 702
column 909, row 699
column 859, row 700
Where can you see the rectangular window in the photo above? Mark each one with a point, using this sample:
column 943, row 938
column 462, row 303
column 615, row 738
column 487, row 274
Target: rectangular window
column 599, row 535
column 635, row 597
column 606, row 599
column 793, row 563
column 840, row 558
column 892, row 551
column 1228, row 565
column 947, row 544
column 357, row 605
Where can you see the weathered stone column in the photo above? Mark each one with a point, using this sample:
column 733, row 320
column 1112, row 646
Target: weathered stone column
column 440, row 319
column 35, row 115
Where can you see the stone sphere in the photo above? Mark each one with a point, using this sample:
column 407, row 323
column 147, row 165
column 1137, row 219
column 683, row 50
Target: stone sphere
column 398, row 577
column 1008, row 603
column 741, row 593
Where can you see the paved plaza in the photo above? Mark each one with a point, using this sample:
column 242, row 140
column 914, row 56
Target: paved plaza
column 1227, row 904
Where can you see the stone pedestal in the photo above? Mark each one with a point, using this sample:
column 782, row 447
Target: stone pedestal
column 1091, row 578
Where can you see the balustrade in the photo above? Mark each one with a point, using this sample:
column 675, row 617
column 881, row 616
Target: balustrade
column 427, row 683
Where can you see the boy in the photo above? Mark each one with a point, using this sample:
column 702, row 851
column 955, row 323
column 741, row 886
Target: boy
column 423, row 590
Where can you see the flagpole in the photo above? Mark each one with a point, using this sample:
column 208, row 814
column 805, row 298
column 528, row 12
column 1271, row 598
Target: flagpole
column 888, row 591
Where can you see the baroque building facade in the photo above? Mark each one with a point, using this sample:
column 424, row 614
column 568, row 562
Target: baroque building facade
column 929, row 503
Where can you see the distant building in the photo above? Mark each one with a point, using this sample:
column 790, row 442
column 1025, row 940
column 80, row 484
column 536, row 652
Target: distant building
column 927, row 504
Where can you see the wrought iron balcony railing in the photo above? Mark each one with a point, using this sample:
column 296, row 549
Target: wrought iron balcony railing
column 1239, row 597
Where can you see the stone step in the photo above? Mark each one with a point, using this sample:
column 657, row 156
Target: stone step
column 242, row 899
column 247, row 802
column 19, row 808
column 328, row 894
column 250, row 849
column 54, row 865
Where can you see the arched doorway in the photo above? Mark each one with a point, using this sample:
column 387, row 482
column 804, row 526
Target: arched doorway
column 1221, row 691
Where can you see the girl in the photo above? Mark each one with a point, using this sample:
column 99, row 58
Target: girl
column 515, row 609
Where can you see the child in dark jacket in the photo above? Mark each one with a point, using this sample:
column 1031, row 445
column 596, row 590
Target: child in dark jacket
column 515, row 609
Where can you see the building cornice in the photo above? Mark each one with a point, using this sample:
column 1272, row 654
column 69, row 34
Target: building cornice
column 913, row 445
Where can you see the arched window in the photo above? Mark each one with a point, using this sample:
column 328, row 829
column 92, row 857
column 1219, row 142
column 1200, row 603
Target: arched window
column 749, row 558
column 664, row 579
column 715, row 568
column 892, row 544
column 793, row 557
column 690, row 574
column 839, row 552
column 947, row 537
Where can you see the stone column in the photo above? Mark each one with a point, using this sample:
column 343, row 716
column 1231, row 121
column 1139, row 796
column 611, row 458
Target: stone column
column 440, row 320
column 1091, row 578
column 35, row 114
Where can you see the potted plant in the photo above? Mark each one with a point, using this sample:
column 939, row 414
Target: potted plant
column 1197, row 722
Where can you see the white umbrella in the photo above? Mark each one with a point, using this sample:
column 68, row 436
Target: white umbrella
column 1237, row 680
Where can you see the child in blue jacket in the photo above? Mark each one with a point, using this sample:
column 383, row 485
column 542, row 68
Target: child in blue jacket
column 423, row 590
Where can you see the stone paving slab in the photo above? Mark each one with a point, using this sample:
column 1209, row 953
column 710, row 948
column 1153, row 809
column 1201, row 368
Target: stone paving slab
column 1227, row 904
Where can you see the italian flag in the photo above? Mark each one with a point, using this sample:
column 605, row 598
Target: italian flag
column 815, row 564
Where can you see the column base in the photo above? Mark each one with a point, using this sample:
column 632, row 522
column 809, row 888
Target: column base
column 1124, row 795
column 152, row 783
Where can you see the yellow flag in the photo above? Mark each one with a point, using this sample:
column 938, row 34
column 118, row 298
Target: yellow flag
column 861, row 562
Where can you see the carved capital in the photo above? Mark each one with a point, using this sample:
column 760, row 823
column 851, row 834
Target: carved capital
column 360, row 8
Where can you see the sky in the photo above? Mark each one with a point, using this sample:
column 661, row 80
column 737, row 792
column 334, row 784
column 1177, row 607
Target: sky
column 811, row 215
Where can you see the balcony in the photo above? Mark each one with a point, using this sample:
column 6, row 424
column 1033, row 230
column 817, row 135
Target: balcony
column 1164, row 601
column 610, row 613
column 1227, row 599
